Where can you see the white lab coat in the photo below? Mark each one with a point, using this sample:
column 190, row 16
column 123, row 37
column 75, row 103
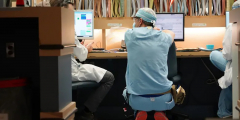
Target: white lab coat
column 84, row 72
column 226, row 80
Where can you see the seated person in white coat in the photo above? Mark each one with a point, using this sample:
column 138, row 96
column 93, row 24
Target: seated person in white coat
column 87, row 72
column 223, row 60
column 148, row 88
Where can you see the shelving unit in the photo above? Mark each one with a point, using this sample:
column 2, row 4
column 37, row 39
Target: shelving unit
column 190, row 21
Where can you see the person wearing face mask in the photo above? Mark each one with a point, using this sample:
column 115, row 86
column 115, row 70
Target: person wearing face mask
column 148, row 88
column 87, row 72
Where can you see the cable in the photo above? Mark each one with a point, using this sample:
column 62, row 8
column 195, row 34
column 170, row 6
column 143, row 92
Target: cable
column 215, row 80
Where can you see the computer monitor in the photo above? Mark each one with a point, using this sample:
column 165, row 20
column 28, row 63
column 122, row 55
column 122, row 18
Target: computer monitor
column 84, row 24
column 173, row 22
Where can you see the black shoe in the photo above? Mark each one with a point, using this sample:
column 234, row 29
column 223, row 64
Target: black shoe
column 86, row 116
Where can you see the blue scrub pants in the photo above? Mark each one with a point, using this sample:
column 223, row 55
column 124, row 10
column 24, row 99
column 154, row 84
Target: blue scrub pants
column 139, row 103
column 225, row 98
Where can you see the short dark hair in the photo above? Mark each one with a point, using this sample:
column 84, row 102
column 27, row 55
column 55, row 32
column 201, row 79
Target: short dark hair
column 148, row 23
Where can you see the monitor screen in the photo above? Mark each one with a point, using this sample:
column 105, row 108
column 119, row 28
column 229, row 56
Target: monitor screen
column 84, row 24
column 173, row 22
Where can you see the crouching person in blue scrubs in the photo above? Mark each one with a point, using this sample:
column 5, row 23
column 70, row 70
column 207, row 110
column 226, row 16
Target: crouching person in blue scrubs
column 148, row 88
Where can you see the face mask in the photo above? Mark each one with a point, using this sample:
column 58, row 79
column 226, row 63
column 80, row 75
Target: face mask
column 134, row 25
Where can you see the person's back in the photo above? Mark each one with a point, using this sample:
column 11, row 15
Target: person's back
column 148, row 88
column 147, row 68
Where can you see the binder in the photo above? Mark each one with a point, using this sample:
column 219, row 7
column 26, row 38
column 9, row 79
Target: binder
column 168, row 5
column 223, row 7
column 83, row 4
column 112, row 10
column 219, row 10
column 161, row 6
column 129, row 8
column 142, row 3
column 134, row 8
column 199, row 8
column 193, row 7
column 90, row 4
column 151, row 4
column 121, row 8
column 86, row 4
column 116, row 9
column 207, row 7
column 104, row 8
column 109, row 8
column 196, row 7
column 156, row 6
column 188, row 6
column 146, row 3
column 229, row 4
column 138, row 4
column 165, row 6
column 99, row 10
column 79, row 4
column 95, row 8
column 203, row 7
column 175, row 6
column 214, row 7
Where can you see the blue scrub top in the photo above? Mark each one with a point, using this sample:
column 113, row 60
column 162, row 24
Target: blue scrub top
column 147, row 68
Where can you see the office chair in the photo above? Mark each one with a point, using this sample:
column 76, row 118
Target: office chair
column 174, row 77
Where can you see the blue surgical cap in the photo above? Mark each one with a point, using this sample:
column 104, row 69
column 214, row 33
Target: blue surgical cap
column 147, row 14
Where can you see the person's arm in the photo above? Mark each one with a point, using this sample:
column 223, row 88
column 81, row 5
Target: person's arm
column 171, row 33
column 127, row 36
column 81, row 51
column 227, row 43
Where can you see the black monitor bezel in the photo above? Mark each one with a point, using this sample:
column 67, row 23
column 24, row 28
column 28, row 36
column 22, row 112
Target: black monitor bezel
column 183, row 25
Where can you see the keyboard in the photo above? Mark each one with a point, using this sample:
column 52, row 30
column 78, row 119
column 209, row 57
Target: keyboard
column 99, row 51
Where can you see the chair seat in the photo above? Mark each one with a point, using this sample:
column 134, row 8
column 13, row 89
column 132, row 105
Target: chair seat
column 84, row 84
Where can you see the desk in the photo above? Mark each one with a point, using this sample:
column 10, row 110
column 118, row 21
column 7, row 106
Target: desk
column 194, row 80
column 122, row 55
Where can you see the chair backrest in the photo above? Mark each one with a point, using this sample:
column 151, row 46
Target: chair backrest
column 172, row 62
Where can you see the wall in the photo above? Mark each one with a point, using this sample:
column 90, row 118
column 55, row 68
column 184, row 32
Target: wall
column 194, row 37
column 200, row 37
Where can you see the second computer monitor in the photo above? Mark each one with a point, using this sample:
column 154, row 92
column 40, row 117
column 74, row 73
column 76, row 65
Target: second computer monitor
column 84, row 24
column 173, row 22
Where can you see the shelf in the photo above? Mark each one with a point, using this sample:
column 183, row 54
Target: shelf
column 205, row 21
column 107, row 23
column 190, row 21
